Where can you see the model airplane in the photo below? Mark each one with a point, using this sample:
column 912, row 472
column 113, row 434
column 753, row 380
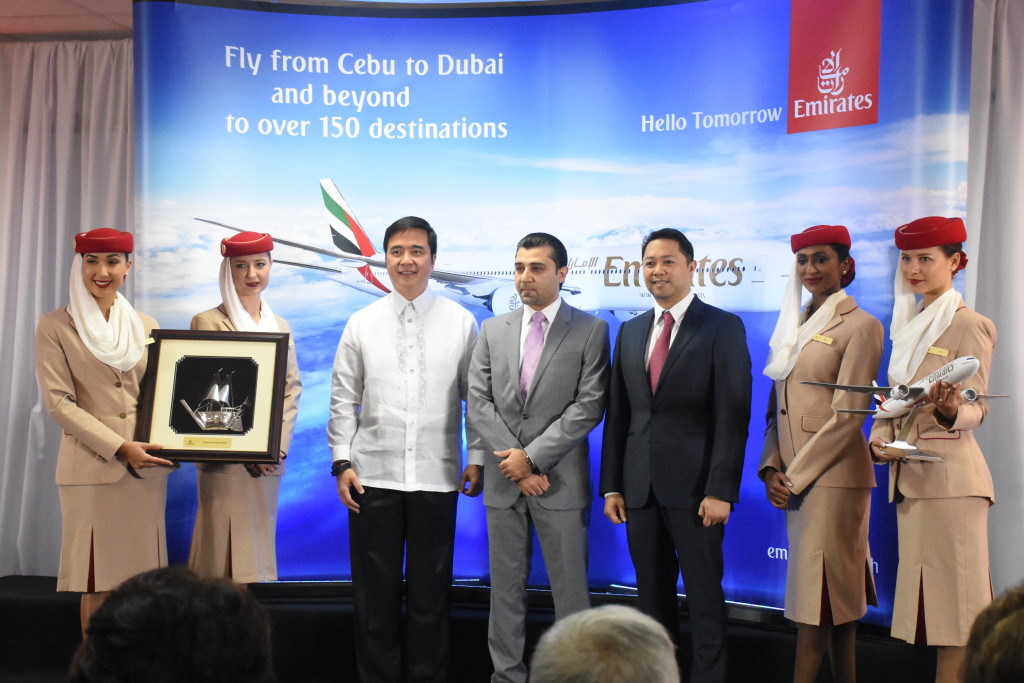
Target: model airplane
column 898, row 400
column 741, row 275
column 904, row 398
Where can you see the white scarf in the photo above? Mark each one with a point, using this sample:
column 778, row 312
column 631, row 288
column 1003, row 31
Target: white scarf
column 118, row 341
column 240, row 318
column 912, row 335
column 790, row 336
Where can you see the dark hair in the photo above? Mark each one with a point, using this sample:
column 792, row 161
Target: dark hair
column 169, row 625
column 542, row 239
column 950, row 249
column 669, row 234
column 995, row 650
column 411, row 223
column 127, row 254
column 843, row 252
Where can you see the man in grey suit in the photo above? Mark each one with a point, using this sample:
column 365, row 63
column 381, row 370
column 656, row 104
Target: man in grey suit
column 537, row 386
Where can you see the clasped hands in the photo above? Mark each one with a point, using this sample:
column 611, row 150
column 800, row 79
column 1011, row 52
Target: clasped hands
column 515, row 468
column 778, row 488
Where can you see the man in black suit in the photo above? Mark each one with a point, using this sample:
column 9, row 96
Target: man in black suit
column 674, row 437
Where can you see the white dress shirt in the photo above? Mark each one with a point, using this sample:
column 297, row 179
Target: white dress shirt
column 399, row 380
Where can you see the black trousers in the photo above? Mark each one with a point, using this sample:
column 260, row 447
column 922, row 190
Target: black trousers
column 419, row 525
column 663, row 541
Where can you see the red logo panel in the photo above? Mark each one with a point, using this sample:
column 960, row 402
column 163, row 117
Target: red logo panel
column 833, row 63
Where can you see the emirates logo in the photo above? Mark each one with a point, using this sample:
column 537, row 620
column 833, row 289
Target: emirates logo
column 834, row 51
column 832, row 75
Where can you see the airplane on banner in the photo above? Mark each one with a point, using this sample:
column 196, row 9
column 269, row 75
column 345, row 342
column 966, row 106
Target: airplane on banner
column 904, row 398
column 742, row 275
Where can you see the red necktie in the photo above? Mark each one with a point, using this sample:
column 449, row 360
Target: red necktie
column 660, row 352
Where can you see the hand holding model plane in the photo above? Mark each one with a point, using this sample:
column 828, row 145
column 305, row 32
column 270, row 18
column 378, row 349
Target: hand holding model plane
column 941, row 388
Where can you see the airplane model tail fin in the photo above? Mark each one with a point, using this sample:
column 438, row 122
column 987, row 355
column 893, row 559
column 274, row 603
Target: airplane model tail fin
column 879, row 399
column 346, row 233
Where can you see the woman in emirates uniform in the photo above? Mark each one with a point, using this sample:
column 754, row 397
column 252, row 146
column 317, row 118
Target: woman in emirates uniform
column 816, row 465
column 941, row 507
column 91, row 357
column 236, row 524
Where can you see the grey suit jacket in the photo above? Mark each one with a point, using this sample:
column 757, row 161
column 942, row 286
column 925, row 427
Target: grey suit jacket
column 564, row 404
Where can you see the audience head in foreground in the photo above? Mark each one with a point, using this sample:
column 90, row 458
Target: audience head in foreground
column 995, row 650
column 170, row 625
column 608, row 643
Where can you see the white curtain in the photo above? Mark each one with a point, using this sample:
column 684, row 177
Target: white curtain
column 995, row 213
column 66, row 165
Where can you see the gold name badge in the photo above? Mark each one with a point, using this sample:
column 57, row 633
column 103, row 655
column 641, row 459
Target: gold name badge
column 150, row 340
column 207, row 442
column 823, row 339
column 936, row 351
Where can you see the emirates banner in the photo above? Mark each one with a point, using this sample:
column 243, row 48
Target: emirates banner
column 737, row 122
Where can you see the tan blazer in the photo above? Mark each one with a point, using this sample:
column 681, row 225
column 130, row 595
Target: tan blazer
column 806, row 436
column 217, row 319
column 964, row 472
column 94, row 403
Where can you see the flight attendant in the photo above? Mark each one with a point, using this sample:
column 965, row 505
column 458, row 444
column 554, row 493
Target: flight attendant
column 815, row 464
column 90, row 360
column 941, row 507
column 236, row 525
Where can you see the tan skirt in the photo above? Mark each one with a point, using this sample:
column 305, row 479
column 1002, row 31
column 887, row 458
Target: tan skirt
column 119, row 527
column 236, row 526
column 944, row 557
column 828, row 551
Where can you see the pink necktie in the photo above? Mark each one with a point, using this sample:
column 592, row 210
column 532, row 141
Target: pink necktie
column 660, row 352
column 531, row 352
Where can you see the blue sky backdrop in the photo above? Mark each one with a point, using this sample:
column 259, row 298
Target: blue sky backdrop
column 574, row 162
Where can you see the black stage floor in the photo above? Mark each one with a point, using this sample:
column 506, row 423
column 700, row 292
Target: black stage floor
column 313, row 633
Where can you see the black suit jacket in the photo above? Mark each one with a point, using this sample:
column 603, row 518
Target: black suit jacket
column 686, row 441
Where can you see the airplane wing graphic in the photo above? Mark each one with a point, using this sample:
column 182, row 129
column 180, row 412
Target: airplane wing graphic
column 450, row 278
column 350, row 260
column 356, row 252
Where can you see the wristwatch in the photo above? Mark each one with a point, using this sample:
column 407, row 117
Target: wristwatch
column 533, row 467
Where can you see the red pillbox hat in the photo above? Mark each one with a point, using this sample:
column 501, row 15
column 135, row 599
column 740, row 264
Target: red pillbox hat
column 246, row 244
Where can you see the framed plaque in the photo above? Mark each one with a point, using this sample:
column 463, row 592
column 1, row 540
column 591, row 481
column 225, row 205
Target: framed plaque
column 215, row 396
